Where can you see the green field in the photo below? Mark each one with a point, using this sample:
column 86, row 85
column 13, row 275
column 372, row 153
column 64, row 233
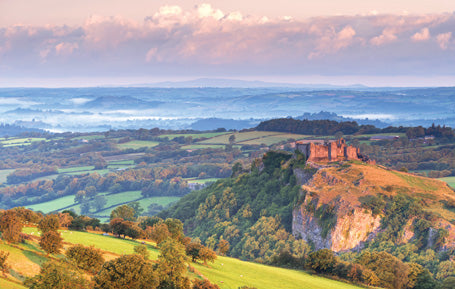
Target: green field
column 19, row 141
column 202, row 181
column 449, row 180
column 254, row 138
column 113, row 201
column 5, row 284
column 136, row 144
column 228, row 273
column 4, row 174
column 75, row 169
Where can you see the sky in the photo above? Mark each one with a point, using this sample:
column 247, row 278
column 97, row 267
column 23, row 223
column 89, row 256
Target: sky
column 94, row 42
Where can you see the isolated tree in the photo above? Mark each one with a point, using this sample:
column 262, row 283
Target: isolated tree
column 11, row 226
column 223, row 246
column 86, row 258
column 192, row 250
column 99, row 202
column 4, row 267
column 172, row 265
column 231, row 139
column 51, row 242
column 125, row 212
column 85, row 207
column 207, row 255
column 49, row 223
column 56, row 276
column 80, row 196
column 127, row 271
column 142, row 251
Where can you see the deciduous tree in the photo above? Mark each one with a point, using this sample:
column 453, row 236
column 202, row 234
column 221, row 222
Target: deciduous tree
column 128, row 271
column 51, row 242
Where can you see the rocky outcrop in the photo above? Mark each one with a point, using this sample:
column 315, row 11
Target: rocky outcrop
column 348, row 232
column 332, row 213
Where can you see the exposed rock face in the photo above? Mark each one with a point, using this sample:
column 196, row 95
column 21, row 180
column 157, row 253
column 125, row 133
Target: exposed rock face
column 331, row 215
column 350, row 232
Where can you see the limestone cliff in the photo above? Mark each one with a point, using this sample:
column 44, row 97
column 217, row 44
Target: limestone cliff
column 331, row 214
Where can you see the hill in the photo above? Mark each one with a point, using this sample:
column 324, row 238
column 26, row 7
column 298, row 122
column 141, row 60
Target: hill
column 283, row 205
column 25, row 260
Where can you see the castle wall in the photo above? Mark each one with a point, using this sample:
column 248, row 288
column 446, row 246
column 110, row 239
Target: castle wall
column 333, row 151
column 318, row 153
column 351, row 153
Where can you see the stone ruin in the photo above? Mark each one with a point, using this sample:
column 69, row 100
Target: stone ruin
column 331, row 151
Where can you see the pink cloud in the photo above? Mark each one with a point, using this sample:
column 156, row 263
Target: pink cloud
column 388, row 35
column 206, row 36
column 423, row 35
column 444, row 40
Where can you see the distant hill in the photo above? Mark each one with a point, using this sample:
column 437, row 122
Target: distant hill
column 119, row 102
column 225, row 83
column 15, row 130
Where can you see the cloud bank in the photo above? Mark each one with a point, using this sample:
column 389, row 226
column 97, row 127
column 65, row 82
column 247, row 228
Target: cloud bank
column 208, row 41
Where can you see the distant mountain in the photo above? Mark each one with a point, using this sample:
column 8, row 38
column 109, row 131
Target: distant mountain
column 224, row 83
column 120, row 102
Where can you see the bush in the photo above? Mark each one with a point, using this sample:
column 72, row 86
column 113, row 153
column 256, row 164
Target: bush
column 323, row 261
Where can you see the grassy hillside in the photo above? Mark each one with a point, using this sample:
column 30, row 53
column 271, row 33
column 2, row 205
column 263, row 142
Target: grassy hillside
column 228, row 273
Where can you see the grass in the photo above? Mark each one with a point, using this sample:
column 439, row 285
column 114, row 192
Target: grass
column 75, row 169
column 5, row 284
column 4, row 174
column 225, row 272
column 163, row 201
column 254, row 138
column 136, row 144
column 202, row 181
column 19, row 141
column 53, row 205
column 121, row 163
column 89, row 137
column 449, row 180
column 106, row 243
column 229, row 273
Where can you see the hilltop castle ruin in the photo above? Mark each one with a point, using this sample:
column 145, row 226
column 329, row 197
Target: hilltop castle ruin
column 331, row 151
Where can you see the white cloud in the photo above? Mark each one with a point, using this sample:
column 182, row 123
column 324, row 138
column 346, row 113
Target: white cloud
column 423, row 35
column 206, row 10
column 388, row 35
column 444, row 40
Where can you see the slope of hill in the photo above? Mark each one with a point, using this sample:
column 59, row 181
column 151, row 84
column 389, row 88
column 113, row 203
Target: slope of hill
column 286, row 206
column 228, row 273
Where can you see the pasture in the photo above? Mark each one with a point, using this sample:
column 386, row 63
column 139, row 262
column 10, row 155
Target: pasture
column 449, row 180
column 136, row 144
column 228, row 273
